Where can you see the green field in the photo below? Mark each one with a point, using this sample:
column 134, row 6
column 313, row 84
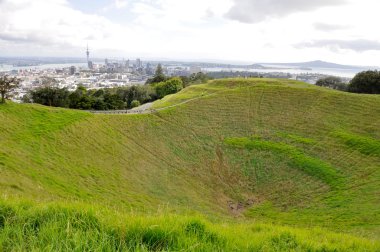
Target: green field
column 231, row 165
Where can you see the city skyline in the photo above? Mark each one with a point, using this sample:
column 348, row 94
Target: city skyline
column 225, row 30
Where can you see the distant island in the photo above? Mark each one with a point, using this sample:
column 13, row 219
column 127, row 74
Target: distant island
column 317, row 64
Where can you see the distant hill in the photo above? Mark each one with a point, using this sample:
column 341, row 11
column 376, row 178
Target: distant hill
column 265, row 164
column 319, row 64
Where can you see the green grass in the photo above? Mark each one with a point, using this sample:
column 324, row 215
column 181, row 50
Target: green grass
column 53, row 227
column 312, row 164
column 296, row 138
column 194, row 92
column 365, row 145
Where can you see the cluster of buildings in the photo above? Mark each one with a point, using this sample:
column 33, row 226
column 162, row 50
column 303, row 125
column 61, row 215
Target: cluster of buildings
column 98, row 76
column 93, row 75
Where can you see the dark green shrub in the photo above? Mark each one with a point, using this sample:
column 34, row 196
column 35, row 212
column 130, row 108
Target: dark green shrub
column 171, row 86
column 332, row 82
column 367, row 82
column 135, row 103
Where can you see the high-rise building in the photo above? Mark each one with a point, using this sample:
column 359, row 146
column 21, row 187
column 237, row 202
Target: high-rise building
column 149, row 69
column 72, row 70
column 138, row 63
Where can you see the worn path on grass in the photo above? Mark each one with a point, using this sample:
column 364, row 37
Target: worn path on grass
column 147, row 107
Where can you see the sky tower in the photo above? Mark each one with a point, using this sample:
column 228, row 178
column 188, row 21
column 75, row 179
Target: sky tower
column 88, row 54
column 89, row 63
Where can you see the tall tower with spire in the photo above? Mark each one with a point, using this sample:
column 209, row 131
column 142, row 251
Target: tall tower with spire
column 88, row 54
column 89, row 63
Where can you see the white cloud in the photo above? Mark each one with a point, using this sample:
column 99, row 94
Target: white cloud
column 50, row 22
column 330, row 27
column 116, row 4
column 121, row 4
column 358, row 45
column 197, row 29
column 253, row 11
column 53, row 24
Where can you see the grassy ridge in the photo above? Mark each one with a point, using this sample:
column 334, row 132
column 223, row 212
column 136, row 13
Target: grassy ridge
column 365, row 145
column 312, row 161
column 310, row 165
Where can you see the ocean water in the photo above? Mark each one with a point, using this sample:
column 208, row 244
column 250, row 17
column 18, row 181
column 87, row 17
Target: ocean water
column 44, row 66
column 349, row 73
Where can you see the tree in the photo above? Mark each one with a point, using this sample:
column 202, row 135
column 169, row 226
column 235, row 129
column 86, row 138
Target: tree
column 7, row 85
column 367, row 82
column 51, row 96
column 170, row 86
column 332, row 82
column 76, row 96
column 27, row 98
column 98, row 93
column 85, row 102
column 195, row 78
column 99, row 104
column 135, row 103
column 143, row 94
column 113, row 101
column 49, row 82
column 185, row 80
column 159, row 74
column 158, row 77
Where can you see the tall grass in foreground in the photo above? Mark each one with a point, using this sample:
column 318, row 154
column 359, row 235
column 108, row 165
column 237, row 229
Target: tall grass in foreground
column 54, row 227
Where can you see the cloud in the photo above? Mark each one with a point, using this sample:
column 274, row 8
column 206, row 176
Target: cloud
column 24, row 38
column 117, row 4
column 330, row 27
column 254, row 11
column 27, row 22
column 120, row 4
column 359, row 45
column 194, row 29
column 209, row 13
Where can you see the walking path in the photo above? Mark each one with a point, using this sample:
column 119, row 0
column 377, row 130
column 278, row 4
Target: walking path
column 146, row 108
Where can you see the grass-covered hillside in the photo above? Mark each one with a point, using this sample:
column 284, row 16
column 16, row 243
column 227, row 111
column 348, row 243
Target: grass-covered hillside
column 268, row 164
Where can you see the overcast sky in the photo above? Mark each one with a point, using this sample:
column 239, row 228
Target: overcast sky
column 341, row 31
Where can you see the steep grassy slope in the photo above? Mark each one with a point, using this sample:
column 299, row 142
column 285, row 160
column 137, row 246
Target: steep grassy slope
column 310, row 155
column 267, row 150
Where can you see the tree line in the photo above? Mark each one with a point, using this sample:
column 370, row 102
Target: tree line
column 367, row 82
column 101, row 99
